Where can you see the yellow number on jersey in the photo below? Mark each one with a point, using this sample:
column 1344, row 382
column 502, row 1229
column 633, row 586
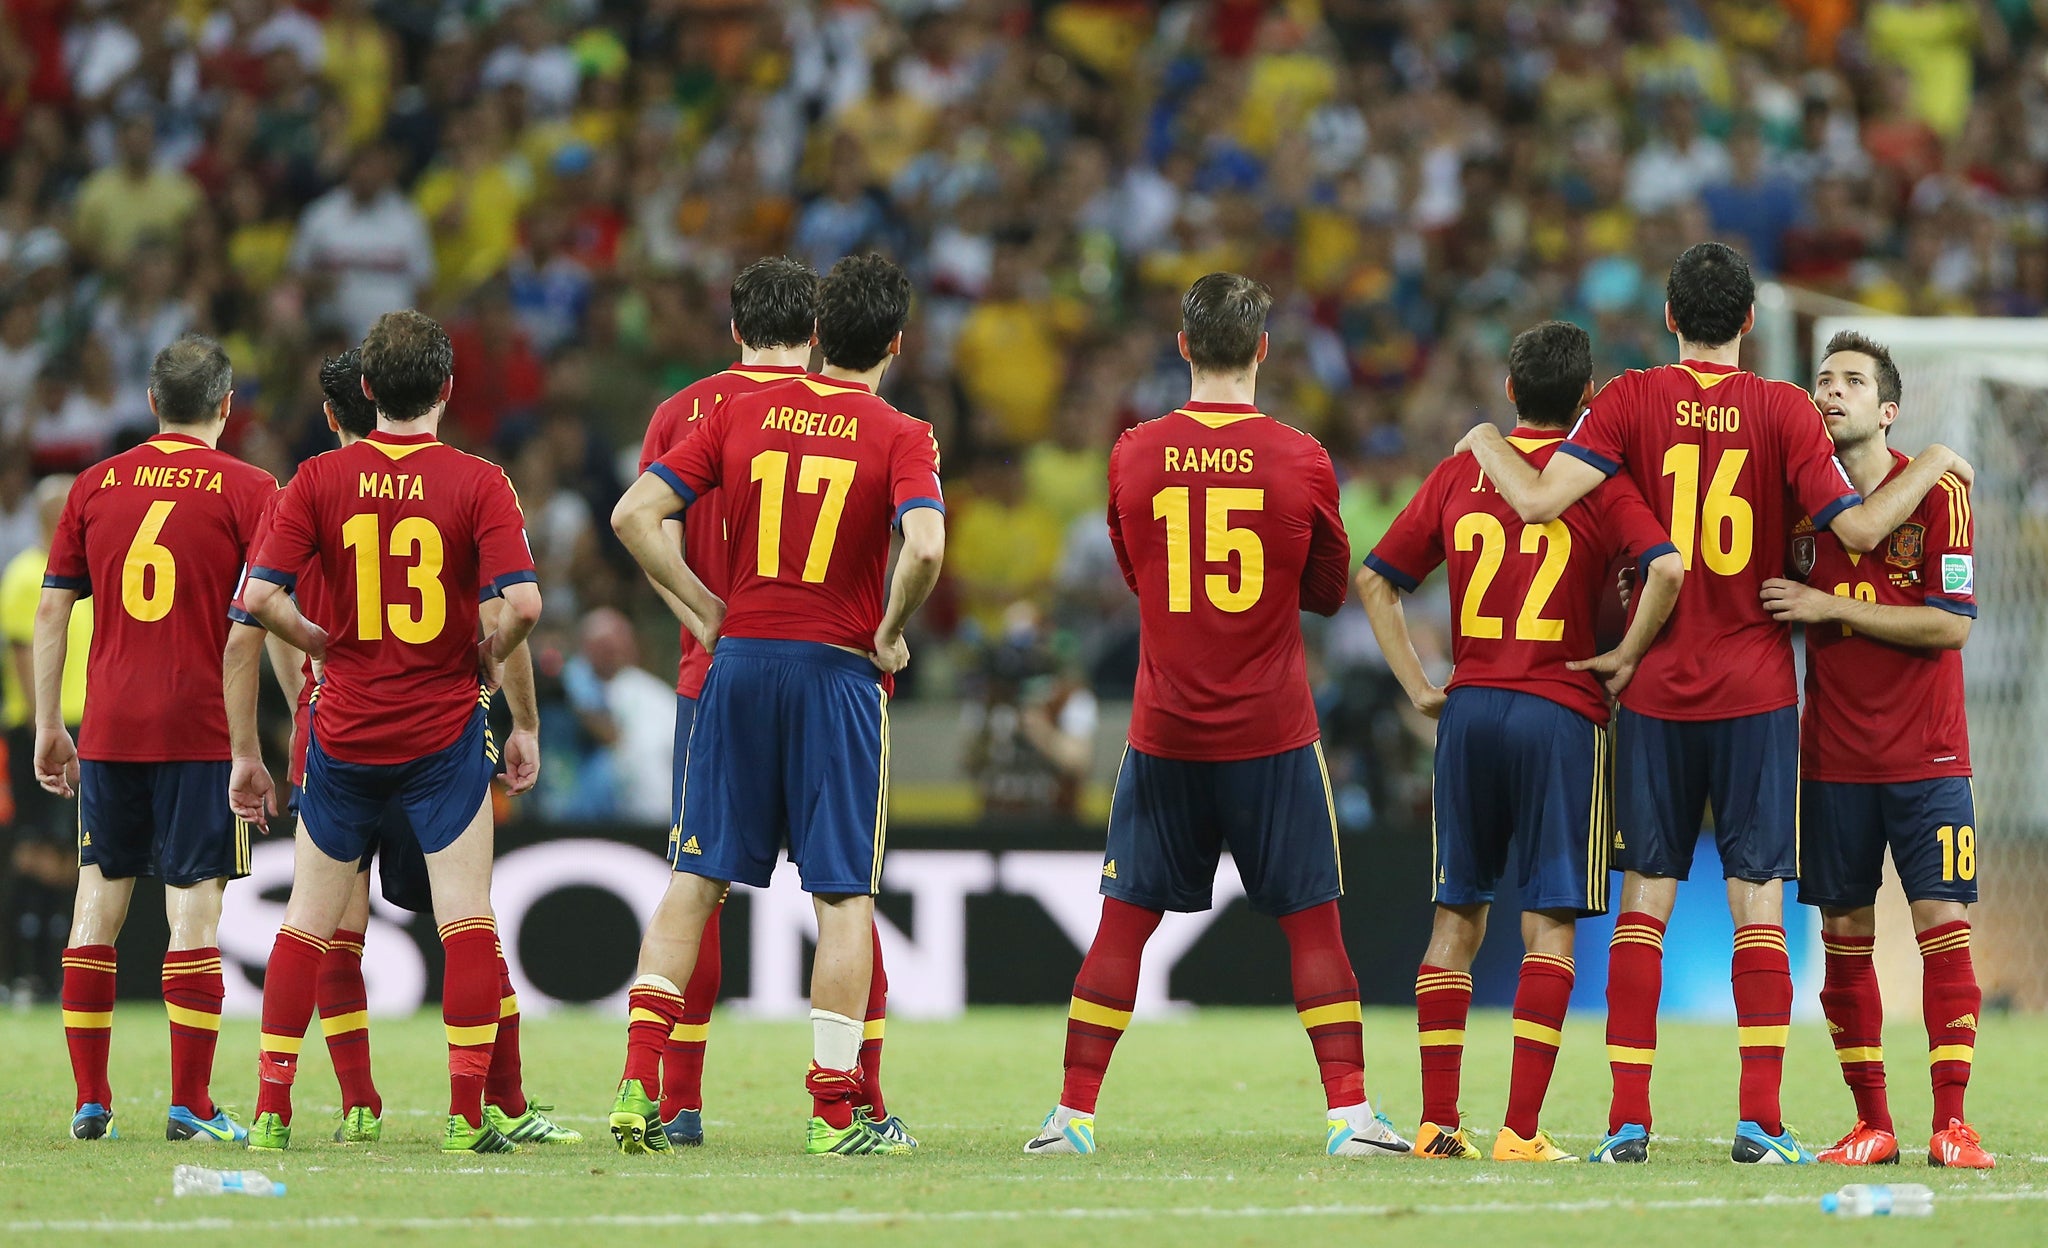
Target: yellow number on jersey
column 1958, row 852
column 1220, row 540
column 813, row 473
column 1484, row 532
column 149, row 575
column 413, row 538
column 1861, row 591
column 1728, row 520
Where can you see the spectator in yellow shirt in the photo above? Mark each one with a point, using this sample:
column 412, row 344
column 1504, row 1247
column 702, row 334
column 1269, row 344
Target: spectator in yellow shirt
column 21, row 588
column 471, row 197
column 121, row 203
column 1011, row 353
column 1005, row 546
column 1934, row 41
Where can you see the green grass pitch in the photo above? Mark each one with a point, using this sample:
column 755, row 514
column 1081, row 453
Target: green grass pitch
column 1210, row 1130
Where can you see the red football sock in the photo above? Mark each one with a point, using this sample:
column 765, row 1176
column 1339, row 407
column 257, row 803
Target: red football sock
column 682, row 1062
column 192, row 996
column 652, row 1015
column 469, row 1011
column 832, row 1093
column 1635, row 979
column 1762, row 975
column 870, row 1093
column 1105, row 992
column 1855, row 1013
column 290, row 985
column 503, row 1087
column 1542, row 996
column 1442, row 1000
column 1326, row 1001
column 1949, row 1001
column 345, row 1019
column 89, row 1019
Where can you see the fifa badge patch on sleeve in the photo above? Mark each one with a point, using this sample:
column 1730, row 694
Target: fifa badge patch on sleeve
column 1958, row 574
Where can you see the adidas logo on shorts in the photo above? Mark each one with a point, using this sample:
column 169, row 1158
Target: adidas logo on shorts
column 690, row 847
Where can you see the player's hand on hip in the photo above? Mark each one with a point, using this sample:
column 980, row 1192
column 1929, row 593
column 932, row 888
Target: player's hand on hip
column 251, row 792
column 56, row 762
column 1789, row 602
column 489, row 667
column 1613, row 670
column 522, row 761
column 316, row 649
column 1431, row 701
column 891, row 654
column 705, row 630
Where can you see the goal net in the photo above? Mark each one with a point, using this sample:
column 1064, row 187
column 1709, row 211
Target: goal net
column 1981, row 387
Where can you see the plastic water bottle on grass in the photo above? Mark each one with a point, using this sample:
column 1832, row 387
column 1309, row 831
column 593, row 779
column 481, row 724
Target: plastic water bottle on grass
column 1876, row 1200
column 199, row 1181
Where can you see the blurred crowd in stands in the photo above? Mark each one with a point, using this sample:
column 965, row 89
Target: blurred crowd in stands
column 570, row 185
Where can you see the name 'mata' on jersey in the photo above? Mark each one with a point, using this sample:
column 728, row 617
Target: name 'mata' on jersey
column 1225, row 524
column 704, row 524
column 408, row 535
column 158, row 535
column 1715, row 452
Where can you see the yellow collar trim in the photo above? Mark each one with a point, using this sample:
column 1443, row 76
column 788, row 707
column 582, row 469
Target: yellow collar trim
column 1217, row 420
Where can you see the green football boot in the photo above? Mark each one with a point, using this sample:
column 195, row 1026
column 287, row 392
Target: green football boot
column 531, row 1127
column 636, row 1121
column 860, row 1138
column 358, row 1126
column 463, row 1138
column 269, row 1134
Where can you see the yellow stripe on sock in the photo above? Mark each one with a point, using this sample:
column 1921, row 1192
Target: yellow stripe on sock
column 1951, row 1053
column 690, row 1033
column 342, row 1024
column 463, row 1037
column 270, row 1042
column 184, row 1016
column 467, row 925
column 346, row 946
column 1942, row 944
column 1860, row 1053
column 1098, row 1015
column 1637, row 938
column 1448, row 979
column 1762, row 1037
column 508, row 1005
column 1445, row 1038
column 1626, row 1056
column 88, row 964
column 1527, row 1030
column 88, row 1019
column 641, row 1014
column 873, row 1029
column 1848, row 951
column 1328, row 1015
column 1549, row 959
column 211, row 966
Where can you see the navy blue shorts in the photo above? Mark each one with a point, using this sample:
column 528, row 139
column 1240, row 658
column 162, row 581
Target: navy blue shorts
column 1668, row 771
column 342, row 807
column 1930, row 826
column 790, row 748
column 1522, row 781
column 169, row 820
column 402, row 865
column 1170, row 820
column 686, row 719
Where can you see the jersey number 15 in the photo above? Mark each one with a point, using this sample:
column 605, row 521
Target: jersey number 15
column 1220, row 540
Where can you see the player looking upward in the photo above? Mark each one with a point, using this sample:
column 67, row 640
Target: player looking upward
column 1885, row 760
column 790, row 747
column 1225, row 523
column 342, row 996
column 1524, row 779
column 1712, row 713
column 156, row 535
column 774, row 319
column 404, row 530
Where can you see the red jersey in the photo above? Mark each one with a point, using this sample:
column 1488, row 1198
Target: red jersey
column 1720, row 455
column 403, row 530
column 1878, row 713
column 1225, row 524
column 1526, row 596
column 162, row 531
column 704, row 529
column 814, row 472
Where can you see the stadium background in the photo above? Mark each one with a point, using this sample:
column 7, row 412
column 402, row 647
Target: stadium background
column 571, row 185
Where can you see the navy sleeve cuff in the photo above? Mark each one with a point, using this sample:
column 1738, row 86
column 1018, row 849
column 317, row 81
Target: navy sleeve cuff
column 240, row 616
column 1652, row 555
column 1967, row 609
column 1826, row 515
column 1402, row 581
column 912, row 504
column 80, row 585
column 275, row 577
column 673, row 481
column 496, row 589
column 1606, row 466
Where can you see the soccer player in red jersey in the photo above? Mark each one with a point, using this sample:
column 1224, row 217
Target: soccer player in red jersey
column 1225, row 523
column 774, row 316
column 404, row 530
column 791, row 741
column 1718, row 453
column 161, row 533
column 343, row 998
column 1885, row 760
column 1524, row 778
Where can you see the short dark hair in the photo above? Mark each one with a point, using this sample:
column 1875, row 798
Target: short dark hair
column 1223, row 315
column 406, row 359
column 1889, row 385
column 1710, row 291
column 775, row 303
column 1550, row 364
column 188, row 379
column 863, row 303
column 341, row 380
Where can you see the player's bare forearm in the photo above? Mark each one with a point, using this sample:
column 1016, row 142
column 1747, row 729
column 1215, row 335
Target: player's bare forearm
column 274, row 608
column 639, row 521
column 1863, row 526
column 1665, row 578
column 917, row 569
column 674, row 529
column 1921, row 628
column 518, row 614
column 287, row 664
column 241, row 667
column 52, row 640
column 1537, row 497
column 1390, row 628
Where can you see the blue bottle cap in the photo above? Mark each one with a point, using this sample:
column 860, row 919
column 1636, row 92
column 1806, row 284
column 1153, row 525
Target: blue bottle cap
column 277, row 1189
column 1828, row 1202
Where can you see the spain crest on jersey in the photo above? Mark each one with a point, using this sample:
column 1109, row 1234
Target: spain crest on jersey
column 1908, row 544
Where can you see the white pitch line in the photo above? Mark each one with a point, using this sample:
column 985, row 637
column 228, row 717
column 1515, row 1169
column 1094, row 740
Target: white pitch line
column 860, row 1217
